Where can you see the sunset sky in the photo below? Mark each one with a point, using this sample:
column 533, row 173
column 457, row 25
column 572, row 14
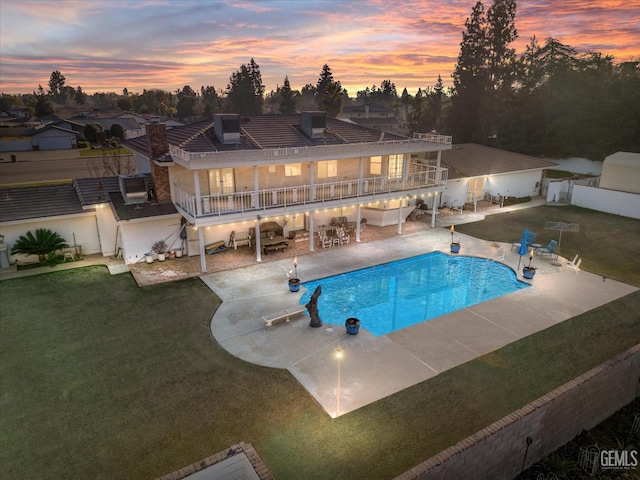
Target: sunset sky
column 167, row 44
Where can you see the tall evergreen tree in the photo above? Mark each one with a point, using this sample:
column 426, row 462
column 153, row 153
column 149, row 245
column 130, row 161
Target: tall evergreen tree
column 187, row 100
column 210, row 100
column 329, row 93
column 287, row 100
column 56, row 86
column 485, row 71
column 470, row 79
column 43, row 106
column 245, row 92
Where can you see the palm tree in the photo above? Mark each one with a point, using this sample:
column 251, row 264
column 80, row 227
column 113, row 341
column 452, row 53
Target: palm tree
column 43, row 243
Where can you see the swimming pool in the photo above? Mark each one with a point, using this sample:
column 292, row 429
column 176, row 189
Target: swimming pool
column 396, row 295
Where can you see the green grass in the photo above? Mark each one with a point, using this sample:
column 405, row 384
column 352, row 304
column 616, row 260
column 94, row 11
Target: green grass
column 101, row 379
column 608, row 244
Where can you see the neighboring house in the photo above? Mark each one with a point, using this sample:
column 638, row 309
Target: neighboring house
column 374, row 116
column 619, row 188
column 47, row 137
column 131, row 127
column 478, row 173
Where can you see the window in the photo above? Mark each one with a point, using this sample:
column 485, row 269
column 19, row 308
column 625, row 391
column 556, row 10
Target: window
column 293, row 169
column 375, row 165
column 328, row 169
column 395, row 166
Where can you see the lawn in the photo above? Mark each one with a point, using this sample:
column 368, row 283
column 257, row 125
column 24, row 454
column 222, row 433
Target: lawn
column 101, row 379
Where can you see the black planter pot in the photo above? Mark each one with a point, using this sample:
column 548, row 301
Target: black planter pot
column 528, row 272
column 352, row 325
column 455, row 247
column 294, row 284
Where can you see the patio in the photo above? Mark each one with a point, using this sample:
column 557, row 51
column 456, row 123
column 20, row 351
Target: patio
column 372, row 367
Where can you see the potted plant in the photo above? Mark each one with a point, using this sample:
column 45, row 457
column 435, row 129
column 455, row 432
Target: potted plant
column 352, row 325
column 455, row 246
column 161, row 249
column 148, row 257
column 294, row 281
column 529, row 272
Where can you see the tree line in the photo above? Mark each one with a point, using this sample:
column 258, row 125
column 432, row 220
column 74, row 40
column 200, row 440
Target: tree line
column 548, row 101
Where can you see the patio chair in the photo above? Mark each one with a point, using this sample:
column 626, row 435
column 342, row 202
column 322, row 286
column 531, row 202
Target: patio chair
column 575, row 266
column 239, row 239
column 324, row 240
column 548, row 250
column 531, row 237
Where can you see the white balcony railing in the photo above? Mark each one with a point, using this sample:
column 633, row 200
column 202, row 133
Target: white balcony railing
column 318, row 194
column 420, row 142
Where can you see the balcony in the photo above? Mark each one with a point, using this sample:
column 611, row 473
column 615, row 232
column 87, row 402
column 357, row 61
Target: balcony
column 421, row 142
column 316, row 196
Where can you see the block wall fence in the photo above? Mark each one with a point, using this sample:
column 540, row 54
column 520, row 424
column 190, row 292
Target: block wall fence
column 497, row 452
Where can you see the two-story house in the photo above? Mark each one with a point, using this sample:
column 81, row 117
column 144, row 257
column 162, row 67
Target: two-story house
column 299, row 170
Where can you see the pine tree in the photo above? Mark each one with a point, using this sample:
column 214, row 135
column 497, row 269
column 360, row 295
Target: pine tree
column 287, row 100
column 329, row 93
column 245, row 92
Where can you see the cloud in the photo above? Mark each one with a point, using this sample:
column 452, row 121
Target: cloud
column 169, row 44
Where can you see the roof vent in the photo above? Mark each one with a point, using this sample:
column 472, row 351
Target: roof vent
column 314, row 123
column 227, row 128
column 135, row 188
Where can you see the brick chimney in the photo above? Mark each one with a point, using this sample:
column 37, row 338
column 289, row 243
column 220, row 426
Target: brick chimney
column 158, row 145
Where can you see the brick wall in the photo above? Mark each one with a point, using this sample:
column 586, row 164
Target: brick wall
column 158, row 144
column 497, row 451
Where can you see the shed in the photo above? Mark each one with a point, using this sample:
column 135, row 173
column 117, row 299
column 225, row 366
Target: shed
column 621, row 172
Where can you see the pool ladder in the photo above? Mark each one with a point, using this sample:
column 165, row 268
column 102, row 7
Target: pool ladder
column 498, row 256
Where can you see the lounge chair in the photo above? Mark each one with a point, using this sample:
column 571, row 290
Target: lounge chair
column 575, row 266
column 548, row 250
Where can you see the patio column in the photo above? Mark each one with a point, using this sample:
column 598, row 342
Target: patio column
column 400, row 215
column 360, row 178
column 203, row 258
column 405, row 169
column 434, row 209
column 358, row 214
column 257, row 240
column 312, row 181
column 256, row 187
column 196, row 184
column 311, row 233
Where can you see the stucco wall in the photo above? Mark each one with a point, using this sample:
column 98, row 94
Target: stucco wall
column 137, row 237
column 609, row 201
column 519, row 184
column 83, row 226
column 497, row 451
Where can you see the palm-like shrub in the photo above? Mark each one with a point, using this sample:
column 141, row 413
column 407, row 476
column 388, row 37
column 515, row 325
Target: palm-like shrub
column 43, row 243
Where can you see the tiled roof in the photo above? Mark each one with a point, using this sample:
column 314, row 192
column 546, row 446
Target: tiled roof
column 264, row 131
column 21, row 203
column 92, row 191
column 473, row 160
column 195, row 137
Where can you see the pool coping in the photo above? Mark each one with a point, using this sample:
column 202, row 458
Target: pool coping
column 373, row 367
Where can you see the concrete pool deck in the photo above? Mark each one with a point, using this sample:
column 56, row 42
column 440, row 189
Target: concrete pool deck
column 373, row 367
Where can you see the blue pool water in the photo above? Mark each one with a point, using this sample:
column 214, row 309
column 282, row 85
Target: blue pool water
column 396, row 295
